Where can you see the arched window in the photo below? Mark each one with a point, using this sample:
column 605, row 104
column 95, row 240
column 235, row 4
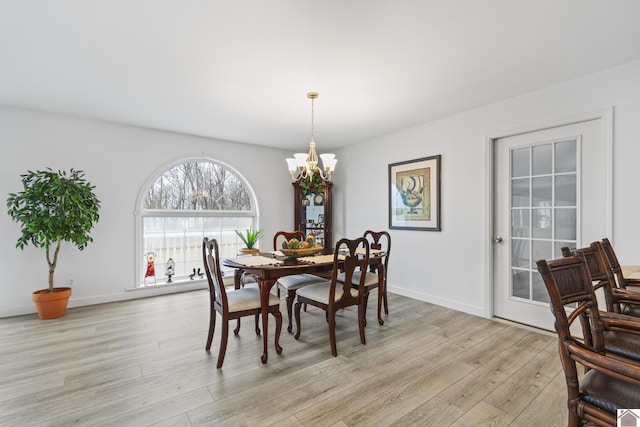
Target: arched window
column 190, row 200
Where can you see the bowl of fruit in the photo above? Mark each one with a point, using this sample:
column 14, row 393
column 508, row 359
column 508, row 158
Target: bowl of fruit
column 295, row 248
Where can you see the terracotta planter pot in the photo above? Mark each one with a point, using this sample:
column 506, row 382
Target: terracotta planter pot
column 51, row 305
column 248, row 251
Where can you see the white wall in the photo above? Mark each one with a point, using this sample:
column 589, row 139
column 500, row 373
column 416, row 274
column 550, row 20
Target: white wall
column 448, row 267
column 117, row 159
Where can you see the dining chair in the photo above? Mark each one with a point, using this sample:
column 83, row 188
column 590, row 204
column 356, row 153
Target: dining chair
column 293, row 282
column 232, row 304
column 621, row 333
column 627, row 275
column 600, row 274
column 607, row 383
column 631, row 284
column 376, row 276
column 332, row 295
column 618, row 299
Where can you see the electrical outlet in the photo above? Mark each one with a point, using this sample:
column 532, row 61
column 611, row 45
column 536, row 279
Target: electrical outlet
column 71, row 282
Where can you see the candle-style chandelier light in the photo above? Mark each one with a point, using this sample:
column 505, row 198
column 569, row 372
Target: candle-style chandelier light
column 304, row 165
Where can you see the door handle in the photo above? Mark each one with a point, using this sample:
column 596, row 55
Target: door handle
column 497, row 239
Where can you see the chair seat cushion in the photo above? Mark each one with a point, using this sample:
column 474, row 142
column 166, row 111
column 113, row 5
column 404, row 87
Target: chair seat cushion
column 370, row 279
column 623, row 344
column 247, row 299
column 297, row 281
column 320, row 292
column 608, row 393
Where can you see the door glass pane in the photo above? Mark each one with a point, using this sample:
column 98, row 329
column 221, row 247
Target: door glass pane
column 566, row 190
column 541, row 227
column 542, row 191
column 520, row 193
column 566, row 156
column 542, row 159
column 540, row 249
column 566, row 224
column 538, row 288
column 520, row 162
column 520, row 253
column 520, row 223
column 520, row 283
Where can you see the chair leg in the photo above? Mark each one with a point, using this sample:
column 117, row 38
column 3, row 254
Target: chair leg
column 298, row 327
column 332, row 332
column 278, row 317
column 362, row 322
column 257, row 325
column 212, row 327
column 291, row 296
column 384, row 294
column 236, row 331
column 380, row 298
column 366, row 302
column 223, row 343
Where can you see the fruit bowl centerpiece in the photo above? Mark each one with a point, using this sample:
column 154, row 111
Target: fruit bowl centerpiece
column 295, row 248
column 295, row 253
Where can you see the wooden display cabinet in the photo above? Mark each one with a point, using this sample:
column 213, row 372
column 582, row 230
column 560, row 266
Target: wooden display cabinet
column 312, row 214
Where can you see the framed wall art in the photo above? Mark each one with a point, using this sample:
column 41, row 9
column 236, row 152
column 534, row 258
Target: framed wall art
column 414, row 194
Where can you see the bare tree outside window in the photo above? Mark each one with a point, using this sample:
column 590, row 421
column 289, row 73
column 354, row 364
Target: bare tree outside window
column 198, row 186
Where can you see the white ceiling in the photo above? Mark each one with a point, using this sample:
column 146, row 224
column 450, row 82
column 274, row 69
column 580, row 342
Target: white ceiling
column 240, row 70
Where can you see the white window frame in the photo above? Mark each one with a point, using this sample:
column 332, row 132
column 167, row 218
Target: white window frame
column 141, row 212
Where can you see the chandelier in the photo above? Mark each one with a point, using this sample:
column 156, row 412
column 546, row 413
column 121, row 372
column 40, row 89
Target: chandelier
column 304, row 165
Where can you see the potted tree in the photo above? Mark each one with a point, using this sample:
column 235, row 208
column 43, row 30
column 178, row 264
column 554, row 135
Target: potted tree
column 249, row 237
column 54, row 207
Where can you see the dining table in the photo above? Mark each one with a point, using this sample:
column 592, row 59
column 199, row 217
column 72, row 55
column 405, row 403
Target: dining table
column 268, row 267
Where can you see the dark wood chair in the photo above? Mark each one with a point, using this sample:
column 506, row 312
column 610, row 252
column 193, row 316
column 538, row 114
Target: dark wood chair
column 232, row 304
column 332, row 295
column 601, row 275
column 608, row 384
column 621, row 333
column 628, row 299
column 292, row 283
column 618, row 299
column 376, row 277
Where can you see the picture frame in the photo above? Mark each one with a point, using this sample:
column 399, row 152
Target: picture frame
column 414, row 194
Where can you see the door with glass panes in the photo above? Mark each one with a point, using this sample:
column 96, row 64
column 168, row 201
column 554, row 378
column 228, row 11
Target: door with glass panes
column 550, row 192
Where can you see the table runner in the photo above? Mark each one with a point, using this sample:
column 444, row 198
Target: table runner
column 253, row 261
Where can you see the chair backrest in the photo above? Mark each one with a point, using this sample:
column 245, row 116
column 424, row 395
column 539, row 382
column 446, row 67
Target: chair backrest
column 592, row 401
column 211, row 258
column 380, row 240
column 569, row 284
column 347, row 250
column 613, row 262
column 282, row 236
column 600, row 271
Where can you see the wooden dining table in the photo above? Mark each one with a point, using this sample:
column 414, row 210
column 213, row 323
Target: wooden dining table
column 272, row 269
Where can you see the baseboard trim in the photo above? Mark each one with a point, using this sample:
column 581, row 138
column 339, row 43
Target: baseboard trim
column 444, row 302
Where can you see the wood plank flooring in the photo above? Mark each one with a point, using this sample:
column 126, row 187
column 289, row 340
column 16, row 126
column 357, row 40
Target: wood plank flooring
column 142, row 362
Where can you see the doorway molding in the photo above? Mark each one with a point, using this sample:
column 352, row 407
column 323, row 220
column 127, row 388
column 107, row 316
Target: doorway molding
column 604, row 114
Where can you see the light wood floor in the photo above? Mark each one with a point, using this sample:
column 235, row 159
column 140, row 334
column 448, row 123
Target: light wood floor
column 143, row 362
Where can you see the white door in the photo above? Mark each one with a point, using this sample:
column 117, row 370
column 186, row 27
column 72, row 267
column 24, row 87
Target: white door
column 551, row 190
